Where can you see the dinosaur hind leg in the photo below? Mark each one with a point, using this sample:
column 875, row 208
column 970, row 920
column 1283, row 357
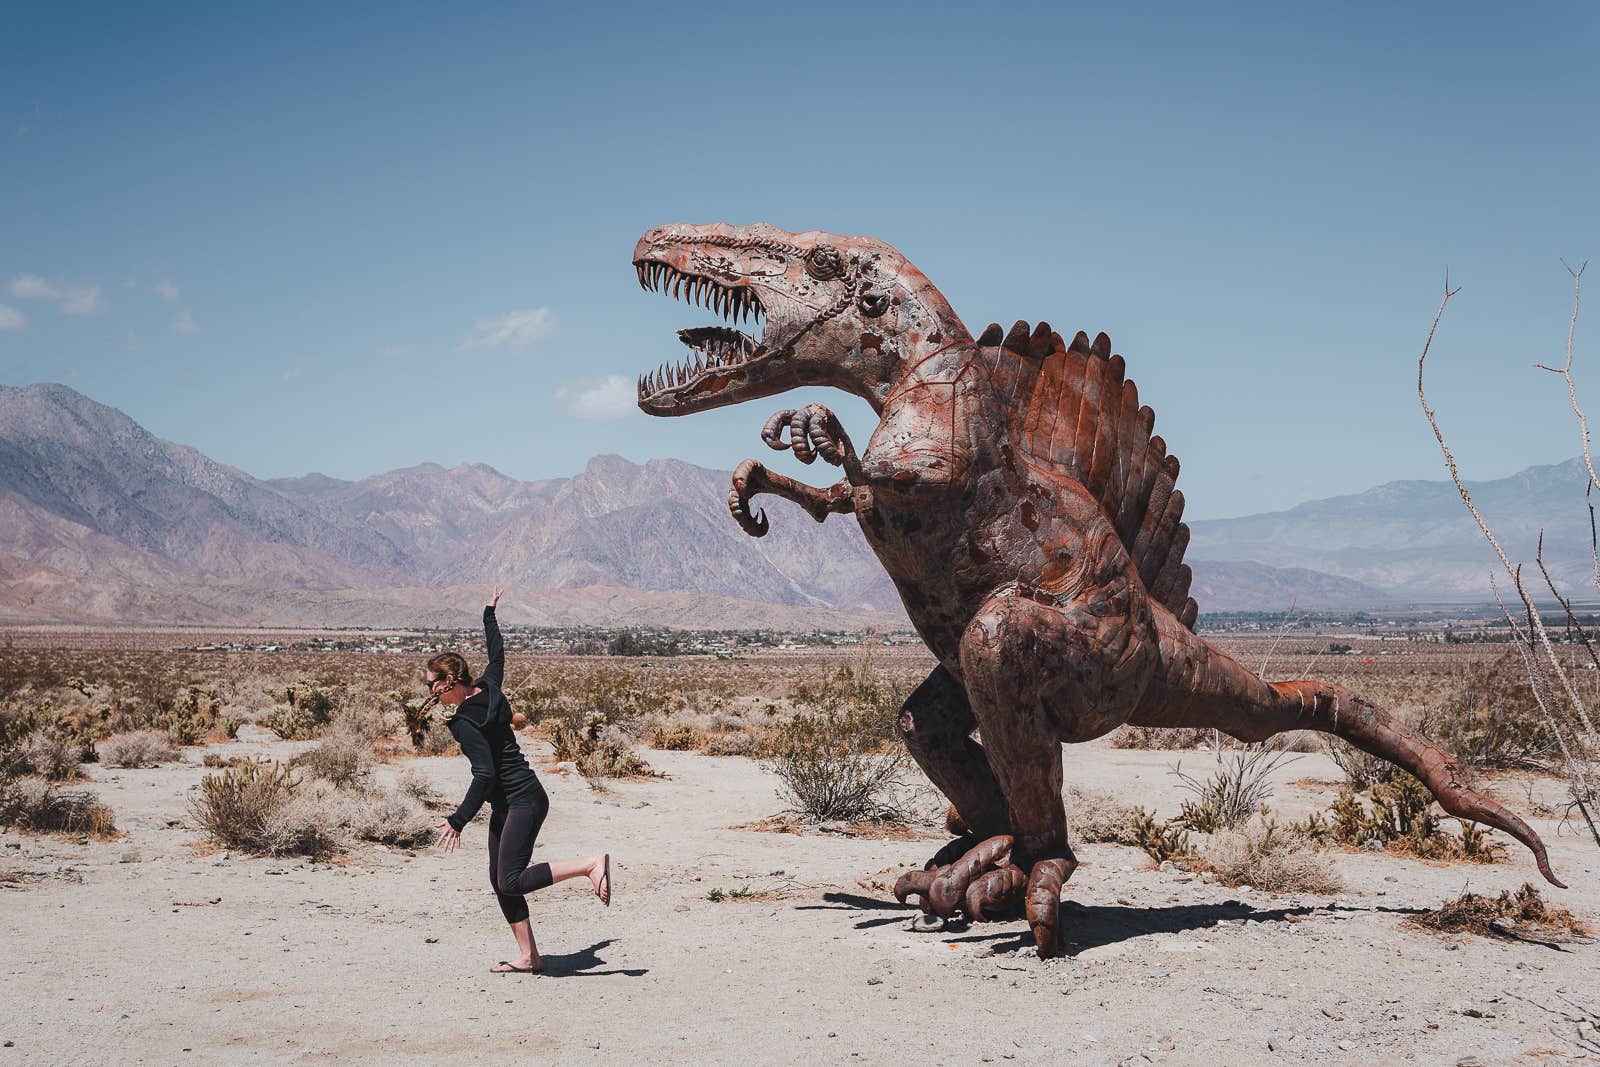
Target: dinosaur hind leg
column 936, row 724
column 1199, row 686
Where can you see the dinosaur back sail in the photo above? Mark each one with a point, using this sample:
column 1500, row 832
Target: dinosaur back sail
column 1075, row 414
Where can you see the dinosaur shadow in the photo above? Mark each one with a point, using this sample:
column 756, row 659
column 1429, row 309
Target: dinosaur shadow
column 857, row 902
column 582, row 964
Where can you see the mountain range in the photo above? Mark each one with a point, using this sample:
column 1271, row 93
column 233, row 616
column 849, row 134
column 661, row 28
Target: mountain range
column 102, row 522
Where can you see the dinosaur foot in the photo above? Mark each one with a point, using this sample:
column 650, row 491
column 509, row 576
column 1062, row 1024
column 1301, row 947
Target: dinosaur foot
column 985, row 885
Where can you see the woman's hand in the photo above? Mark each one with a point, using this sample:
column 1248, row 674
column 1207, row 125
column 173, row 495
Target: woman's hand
column 449, row 836
column 494, row 597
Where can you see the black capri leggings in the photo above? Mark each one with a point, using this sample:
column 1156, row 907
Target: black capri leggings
column 511, row 834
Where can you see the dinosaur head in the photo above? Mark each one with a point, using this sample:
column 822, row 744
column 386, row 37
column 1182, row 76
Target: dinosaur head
column 848, row 312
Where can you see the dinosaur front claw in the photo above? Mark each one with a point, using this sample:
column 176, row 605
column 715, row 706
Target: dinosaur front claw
column 739, row 500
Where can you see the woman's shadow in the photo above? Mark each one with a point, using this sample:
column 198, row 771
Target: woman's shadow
column 582, row 964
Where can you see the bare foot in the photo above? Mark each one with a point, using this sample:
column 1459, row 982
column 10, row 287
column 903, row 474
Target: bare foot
column 600, row 877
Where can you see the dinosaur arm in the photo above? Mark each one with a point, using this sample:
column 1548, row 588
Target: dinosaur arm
column 751, row 478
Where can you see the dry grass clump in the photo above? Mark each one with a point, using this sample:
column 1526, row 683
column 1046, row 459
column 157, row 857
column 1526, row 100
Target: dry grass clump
column 394, row 817
column 1266, row 856
column 136, row 748
column 1521, row 915
column 1095, row 816
column 36, row 806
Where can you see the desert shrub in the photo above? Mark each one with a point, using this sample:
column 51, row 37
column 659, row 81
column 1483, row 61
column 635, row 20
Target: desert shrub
column 236, row 808
column 437, row 740
column 1096, row 816
column 1399, row 818
column 593, row 735
column 341, row 760
column 217, row 759
column 1164, row 738
column 37, row 806
column 19, row 719
column 1269, row 857
column 1161, row 841
column 414, row 784
column 190, row 718
column 678, row 738
column 1491, row 719
column 307, row 708
column 394, row 817
column 1513, row 915
column 1361, row 770
column 310, row 824
column 1235, row 792
column 137, row 748
column 48, row 755
column 739, row 744
column 417, row 718
column 838, row 764
column 609, row 758
column 861, row 686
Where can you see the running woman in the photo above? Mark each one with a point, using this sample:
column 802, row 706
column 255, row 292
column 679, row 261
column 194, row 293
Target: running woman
column 481, row 723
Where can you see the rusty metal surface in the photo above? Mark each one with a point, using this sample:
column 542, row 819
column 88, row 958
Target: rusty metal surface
column 1015, row 492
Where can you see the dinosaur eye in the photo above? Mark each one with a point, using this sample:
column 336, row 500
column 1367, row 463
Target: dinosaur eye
column 873, row 304
column 824, row 263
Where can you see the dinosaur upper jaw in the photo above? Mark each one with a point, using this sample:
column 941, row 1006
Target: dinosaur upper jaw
column 724, row 365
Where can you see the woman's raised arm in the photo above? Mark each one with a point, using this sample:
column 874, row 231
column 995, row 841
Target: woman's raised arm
column 495, row 672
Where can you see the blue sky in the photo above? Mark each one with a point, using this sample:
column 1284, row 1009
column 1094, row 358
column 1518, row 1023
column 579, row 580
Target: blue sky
column 354, row 241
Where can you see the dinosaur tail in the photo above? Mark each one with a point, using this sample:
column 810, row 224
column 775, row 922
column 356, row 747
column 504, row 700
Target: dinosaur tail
column 1198, row 685
column 1336, row 710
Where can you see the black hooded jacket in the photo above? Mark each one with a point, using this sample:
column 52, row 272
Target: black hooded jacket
column 482, row 726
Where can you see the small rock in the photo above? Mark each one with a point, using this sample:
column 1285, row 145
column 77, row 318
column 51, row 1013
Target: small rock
column 1335, row 1016
column 1469, row 1061
column 129, row 856
column 874, row 981
column 1451, row 946
column 1503, row 923
column 1346, row 1045
column 430, row 940
column 1166, row 865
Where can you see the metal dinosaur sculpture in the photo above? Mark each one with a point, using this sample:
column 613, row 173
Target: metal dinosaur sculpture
column 1014, row 492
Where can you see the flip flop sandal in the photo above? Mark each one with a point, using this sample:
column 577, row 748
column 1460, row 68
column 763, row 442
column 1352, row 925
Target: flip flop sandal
column 510, row 968
column 605, row 880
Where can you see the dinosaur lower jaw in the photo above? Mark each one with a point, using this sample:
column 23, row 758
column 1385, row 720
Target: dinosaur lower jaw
column 723, row 363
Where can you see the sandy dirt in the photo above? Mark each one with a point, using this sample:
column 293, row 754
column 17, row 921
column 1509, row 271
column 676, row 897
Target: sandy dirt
column 149, row 949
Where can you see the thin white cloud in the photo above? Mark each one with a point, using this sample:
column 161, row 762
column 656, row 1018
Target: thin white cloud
column 11, row 319
column 33, row 287
column 517, row 331
column 613, row 398
column 166, row 291
column 183, row 322
column 70, row 298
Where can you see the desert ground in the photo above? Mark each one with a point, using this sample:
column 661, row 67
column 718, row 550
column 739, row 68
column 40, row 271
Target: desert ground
column 727, row 942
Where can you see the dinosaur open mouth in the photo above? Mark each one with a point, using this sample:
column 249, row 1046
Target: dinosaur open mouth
column 718, row 355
